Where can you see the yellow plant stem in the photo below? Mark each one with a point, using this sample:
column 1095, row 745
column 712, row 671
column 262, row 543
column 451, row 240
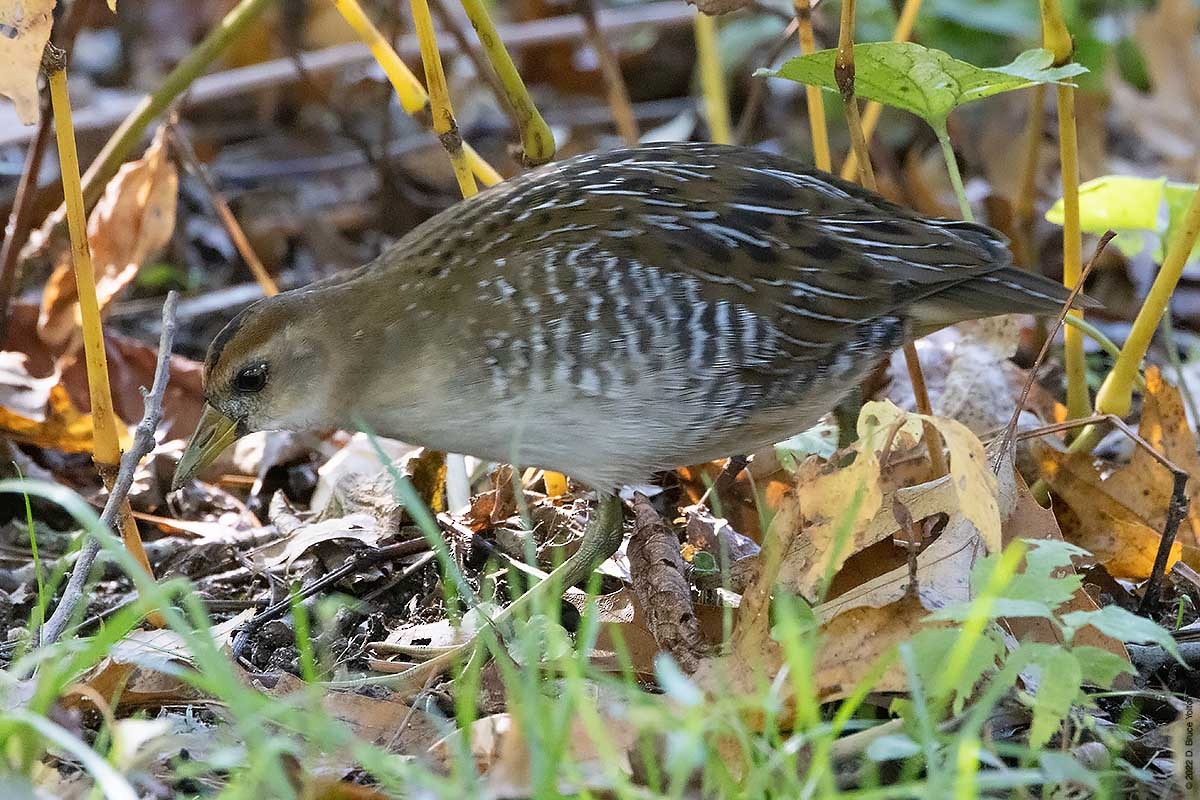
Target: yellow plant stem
column 1078, row 404
column 537, row 140
column 712, row 80
column 444, row 124
column 409, row 90
column 1057, row 39
column 1115, row 395
column 813, row 96
column 843, row 74
column 874, row 110
column 106, row 446
column 413, row 97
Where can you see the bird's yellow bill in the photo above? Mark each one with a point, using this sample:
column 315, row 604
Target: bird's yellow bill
column 214, row 432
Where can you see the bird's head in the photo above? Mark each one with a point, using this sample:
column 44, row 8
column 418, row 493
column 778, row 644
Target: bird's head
column 268, row 369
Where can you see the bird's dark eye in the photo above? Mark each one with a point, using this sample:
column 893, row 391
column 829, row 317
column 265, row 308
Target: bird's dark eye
column 251, row 379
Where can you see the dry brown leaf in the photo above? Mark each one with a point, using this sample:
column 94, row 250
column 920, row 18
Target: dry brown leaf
column 1119, row 518
column 20, row 392
column 873, row 604
column 1145, row 485
column 131, row 222
column 1098, row 522
column 378, row 720
column 822, row 539
column 26, row 29
column 137, row 671
column 361, row 528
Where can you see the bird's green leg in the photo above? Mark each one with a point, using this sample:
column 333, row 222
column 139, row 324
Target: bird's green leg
column 601, row 539
column 846, row 413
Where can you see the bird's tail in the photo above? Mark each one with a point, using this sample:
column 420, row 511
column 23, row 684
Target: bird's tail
column 1003, row 290
column 1008, row 290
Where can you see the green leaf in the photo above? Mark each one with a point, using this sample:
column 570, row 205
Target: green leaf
column 1119, row 202
column 930, row 647
column 1060, row 679
column 1001, row 607
column 925, row 82
column 1100, row 667
column 1120, row 624
column 1132, row 206
column 1037, row 591
column 703, row 563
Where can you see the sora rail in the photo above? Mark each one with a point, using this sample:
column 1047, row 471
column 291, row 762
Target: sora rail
column 612, row 315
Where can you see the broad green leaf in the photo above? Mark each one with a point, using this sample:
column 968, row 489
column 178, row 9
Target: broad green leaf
column 1060, row 679
column 1000, row 607
column 1120, row 624
column 930, row 647
column 1119, row 202
column 1100, row 667
column 1131, row 206
column 925, row 82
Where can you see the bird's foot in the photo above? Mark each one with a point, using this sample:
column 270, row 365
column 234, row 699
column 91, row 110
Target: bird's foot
column 601, row 539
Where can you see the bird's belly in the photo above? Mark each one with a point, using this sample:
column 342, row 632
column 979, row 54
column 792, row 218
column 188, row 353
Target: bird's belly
column 606, row 441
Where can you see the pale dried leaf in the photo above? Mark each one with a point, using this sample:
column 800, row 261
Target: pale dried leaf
column 131, row 223
column 20, row 392
column 24, row 31
column 379, row 720
column 360, row 528
column 139, row 669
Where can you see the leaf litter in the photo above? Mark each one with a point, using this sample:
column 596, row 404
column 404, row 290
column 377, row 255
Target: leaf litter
column 869, row 548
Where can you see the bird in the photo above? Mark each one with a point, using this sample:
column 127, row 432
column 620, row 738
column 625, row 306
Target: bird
column 610, row 316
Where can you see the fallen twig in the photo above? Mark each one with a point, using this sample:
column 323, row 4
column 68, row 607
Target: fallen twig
column 143, row 443
column 656, row 569
column 182, row 147
column 366, row 558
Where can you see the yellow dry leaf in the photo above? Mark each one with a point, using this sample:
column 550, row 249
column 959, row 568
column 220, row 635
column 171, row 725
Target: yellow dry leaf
column 1120, row 518
column 63, row 427
column 24, row 31
column 821, row 522
column 820, row 526
column 132, row 222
